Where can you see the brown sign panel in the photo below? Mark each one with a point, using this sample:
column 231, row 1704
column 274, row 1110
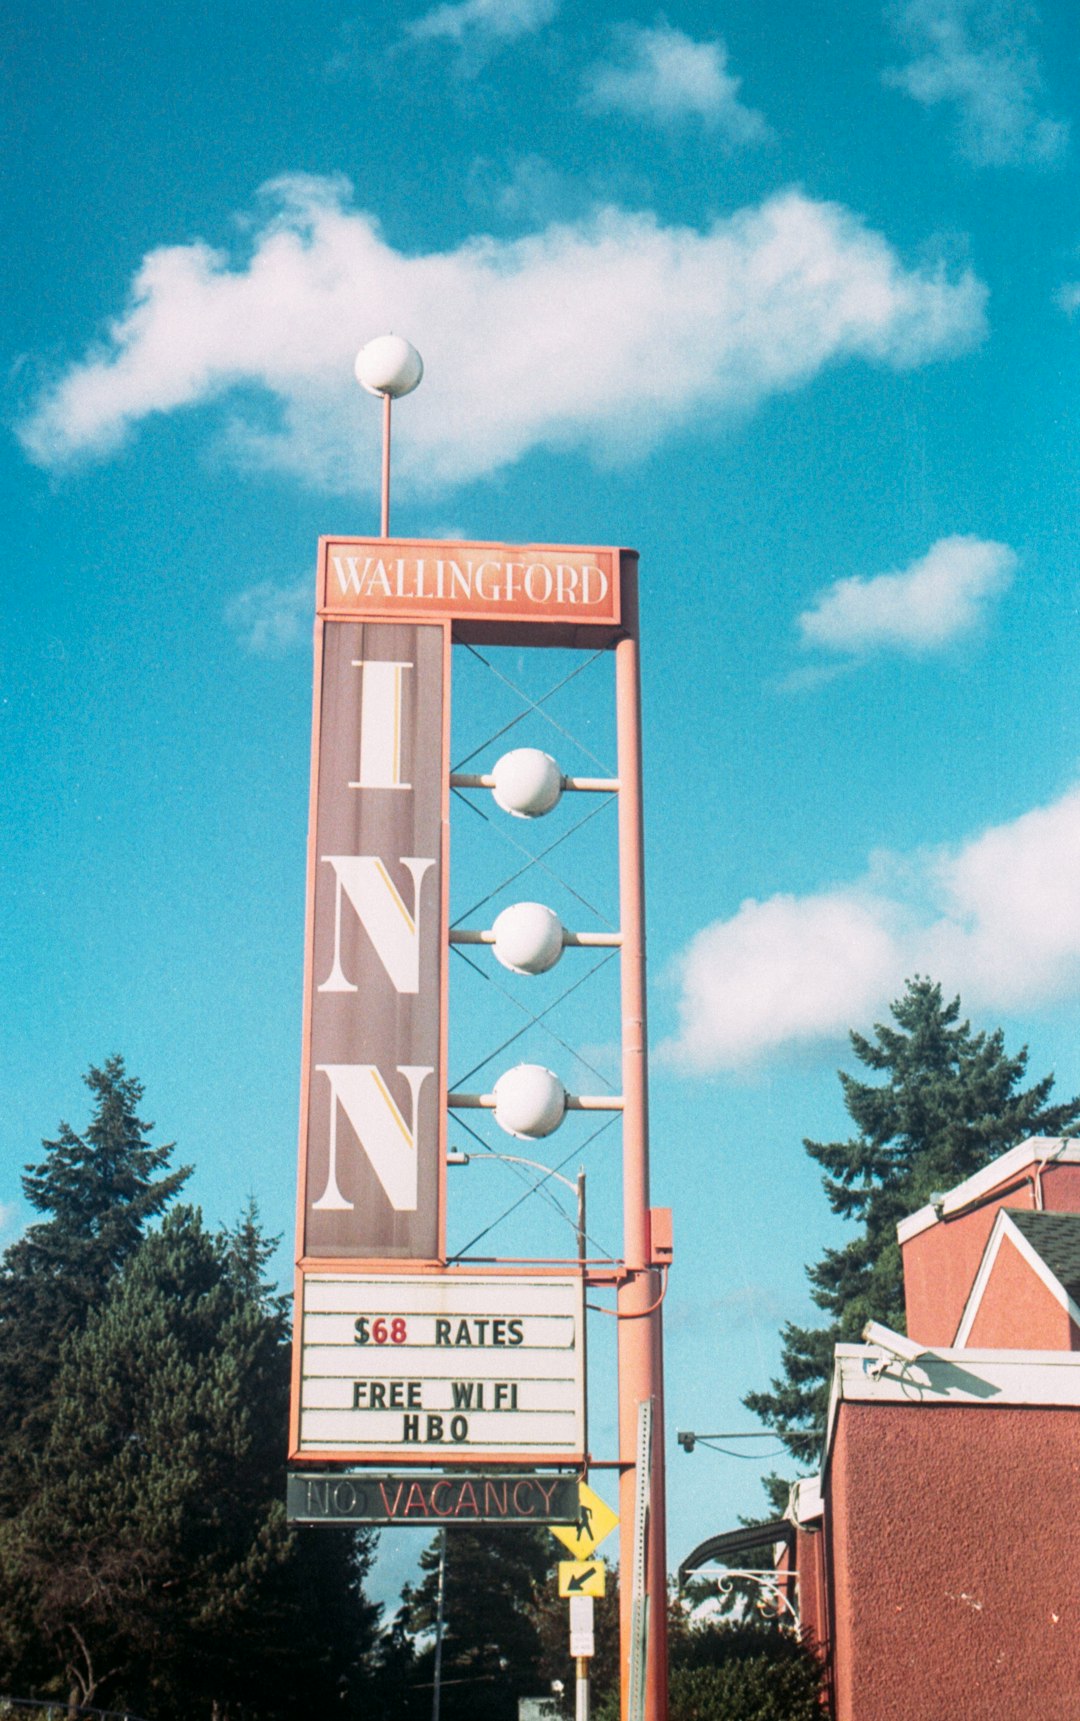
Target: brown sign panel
column 500, row 1498
column 374, row 1079
column 535, row 593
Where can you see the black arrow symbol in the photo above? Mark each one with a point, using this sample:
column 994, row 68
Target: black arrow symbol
column 580, row 1579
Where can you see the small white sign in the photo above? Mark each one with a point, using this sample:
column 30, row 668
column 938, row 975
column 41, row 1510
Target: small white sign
column 442, row 1367
column 582, row 1641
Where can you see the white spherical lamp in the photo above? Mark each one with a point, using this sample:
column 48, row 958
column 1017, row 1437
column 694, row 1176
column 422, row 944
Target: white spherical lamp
column 530, row 1102
column 528, row 938
column 389, row 365
column 527, row 783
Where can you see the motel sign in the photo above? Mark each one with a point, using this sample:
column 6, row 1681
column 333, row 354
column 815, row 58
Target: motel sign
column 402, row 1359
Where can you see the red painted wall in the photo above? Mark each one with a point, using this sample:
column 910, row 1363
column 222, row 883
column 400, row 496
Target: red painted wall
column 942, row 1261
column 952, row 1563
column 812, row 1593
column 1017, row 1311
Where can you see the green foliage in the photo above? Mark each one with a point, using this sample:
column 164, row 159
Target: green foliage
column 724, row 1670
column 491, row 1649
column 97, row 1191
column 757, row 1688
column 145, row 1561
column 949, row 1103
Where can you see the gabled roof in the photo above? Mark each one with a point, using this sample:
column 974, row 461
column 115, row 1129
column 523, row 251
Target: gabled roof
column 1048, row 1242
column 1056, row 1238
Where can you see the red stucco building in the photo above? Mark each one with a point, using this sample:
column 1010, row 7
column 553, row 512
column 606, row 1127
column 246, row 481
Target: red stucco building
column 938, row 1552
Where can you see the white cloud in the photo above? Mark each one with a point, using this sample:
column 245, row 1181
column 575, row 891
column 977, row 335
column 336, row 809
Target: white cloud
column 605, row 334
column 997, row 920
column 270, row 619
column 664, row 75
column 481, row 24
column 924, row 607
column 978, row 57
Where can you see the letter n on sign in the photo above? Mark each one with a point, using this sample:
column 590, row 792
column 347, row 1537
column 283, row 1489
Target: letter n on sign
column 373, row 1101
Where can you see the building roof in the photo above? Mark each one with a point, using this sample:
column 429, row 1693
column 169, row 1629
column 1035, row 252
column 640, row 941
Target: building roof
column 1056, row 1238
column 953, row 1375
column 1038, row 1151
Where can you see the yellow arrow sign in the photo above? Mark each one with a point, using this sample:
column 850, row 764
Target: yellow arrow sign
column 595, row 1520
column 582, row 1577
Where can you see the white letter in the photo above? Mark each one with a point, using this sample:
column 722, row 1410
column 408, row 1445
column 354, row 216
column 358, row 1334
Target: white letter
column 586, row 582
column 380, row 725
column 388, row 1141
column 393, row 930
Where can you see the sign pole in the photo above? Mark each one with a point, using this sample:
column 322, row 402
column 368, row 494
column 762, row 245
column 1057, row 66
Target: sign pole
column 581, row 1689
column 436, row 1693
column 385, row 511
column 639, row 1325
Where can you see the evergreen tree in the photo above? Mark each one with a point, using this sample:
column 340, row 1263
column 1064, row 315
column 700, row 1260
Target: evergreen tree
column 491, row 1647
column 950, row 1102
column 98, row 1191
column 153, row 1567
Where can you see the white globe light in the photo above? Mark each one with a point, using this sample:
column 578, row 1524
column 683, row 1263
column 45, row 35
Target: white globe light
column 529, row 1101
column 527, row 783
column 528, row 938
column 389, row 365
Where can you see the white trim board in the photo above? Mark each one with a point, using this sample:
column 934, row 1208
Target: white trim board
column 1038, row 1150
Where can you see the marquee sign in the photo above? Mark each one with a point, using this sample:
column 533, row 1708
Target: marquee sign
column 442, row 1367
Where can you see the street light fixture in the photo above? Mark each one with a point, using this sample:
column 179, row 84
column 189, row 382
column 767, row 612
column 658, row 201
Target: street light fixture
column 688, row 1439
column 389, row 367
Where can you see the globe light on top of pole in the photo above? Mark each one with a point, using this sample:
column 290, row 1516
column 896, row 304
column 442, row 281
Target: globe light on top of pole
column 526, row 783
column 389, row 365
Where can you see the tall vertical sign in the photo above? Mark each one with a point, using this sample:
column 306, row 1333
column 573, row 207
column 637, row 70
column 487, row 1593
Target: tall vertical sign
column 402, row 1358
column 374, row 1068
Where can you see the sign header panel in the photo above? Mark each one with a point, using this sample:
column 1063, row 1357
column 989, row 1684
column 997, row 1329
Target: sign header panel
column 502, row 1498
column 442, row 1368
column 501, row 583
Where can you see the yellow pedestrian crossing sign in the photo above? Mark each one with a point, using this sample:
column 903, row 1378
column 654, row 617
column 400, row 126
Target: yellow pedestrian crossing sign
column 595, row 1520
column 582, row 1577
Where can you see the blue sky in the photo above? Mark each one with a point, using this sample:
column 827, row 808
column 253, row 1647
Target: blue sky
column 787, row 299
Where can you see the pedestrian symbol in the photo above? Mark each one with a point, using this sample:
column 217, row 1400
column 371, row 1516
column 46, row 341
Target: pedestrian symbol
column 595, row 1520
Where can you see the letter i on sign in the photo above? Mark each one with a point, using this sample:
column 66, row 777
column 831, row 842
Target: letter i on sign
column 380, row 725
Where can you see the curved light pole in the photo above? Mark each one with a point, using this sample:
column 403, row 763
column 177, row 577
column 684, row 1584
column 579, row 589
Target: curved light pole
column 577, row 1187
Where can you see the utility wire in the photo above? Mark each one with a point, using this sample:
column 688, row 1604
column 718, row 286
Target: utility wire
column 536, row 1021
column 533, row 705
column 535, row 860
column 536, row 1189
